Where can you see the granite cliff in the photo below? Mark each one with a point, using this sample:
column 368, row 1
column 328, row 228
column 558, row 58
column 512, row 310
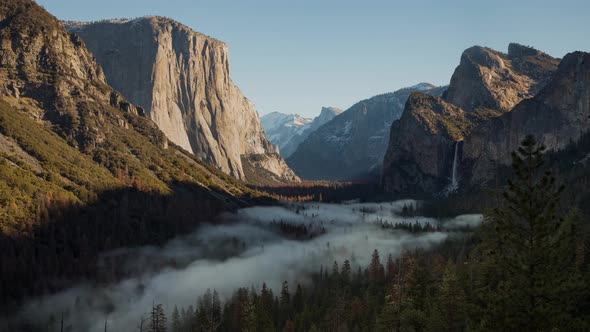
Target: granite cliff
column 557, row 116
column 426, row 146
column 490, row 79
column 182, row 80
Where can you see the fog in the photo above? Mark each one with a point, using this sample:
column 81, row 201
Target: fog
column 245, row 250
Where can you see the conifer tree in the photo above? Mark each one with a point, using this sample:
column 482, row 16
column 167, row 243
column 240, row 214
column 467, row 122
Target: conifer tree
column 375, row 268
column 157, row 319
column 191, row 319
column 420, row 287
column 209, row 311
column 390, row 267
column 298, row 299
column 285, row 296
column 249, row 315
column 451, row 301
column 345, row 273
column 525, row 276
column 388, row 317
column 335, row 271
column 176, row 322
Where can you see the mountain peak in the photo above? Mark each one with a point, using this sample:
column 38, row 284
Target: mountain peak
column 486, row 78
column 330, row 111
column 423, row 86
column 482, row 56
column 516, row 50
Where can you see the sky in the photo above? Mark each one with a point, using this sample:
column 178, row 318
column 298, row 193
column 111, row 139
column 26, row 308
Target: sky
column 295, row 56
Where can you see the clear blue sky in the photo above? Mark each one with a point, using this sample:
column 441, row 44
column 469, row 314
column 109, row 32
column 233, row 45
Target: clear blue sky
column 295, row 56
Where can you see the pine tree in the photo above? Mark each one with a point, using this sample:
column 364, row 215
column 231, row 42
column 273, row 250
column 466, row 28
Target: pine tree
column 335, row 271
column 157, row 319
column 190, row 323
column 346, row 270
column 388, row 318
column 298, row 299
column 285, row 296
column 420, row 286
column 176, row 323
column 526, row 265
column 390, row 267
column 209, row 311
column 284, row 305
column 451, row 301
column 266, row 297
column 375, row 268
column 249, row 315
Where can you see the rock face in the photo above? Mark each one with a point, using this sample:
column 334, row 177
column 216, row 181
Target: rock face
column 41, row 61
column 557, row 115
column 353, row 144
column 489, row 79
column 181, row 78
column 326, row 115
column 487, row 84
column 423, row 142
column 50, row 78
column 287, row 131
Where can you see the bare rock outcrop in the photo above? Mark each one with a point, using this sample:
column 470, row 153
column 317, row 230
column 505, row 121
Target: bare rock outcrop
column 182, row 80
column 557, row 115
column 421, row 150
column 41, row 61
column 489, row 79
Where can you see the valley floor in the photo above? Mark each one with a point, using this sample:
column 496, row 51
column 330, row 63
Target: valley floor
column 256, row 246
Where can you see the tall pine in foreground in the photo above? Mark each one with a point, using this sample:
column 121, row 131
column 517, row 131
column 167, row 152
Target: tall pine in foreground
column 157, row 319
column 527, row 279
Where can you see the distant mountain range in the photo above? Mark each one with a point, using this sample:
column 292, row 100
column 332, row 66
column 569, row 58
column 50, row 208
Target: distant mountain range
column 352, row 145
column 287, row 131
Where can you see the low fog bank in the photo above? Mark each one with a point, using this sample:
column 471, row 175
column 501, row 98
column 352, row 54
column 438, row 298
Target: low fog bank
column 247, row 250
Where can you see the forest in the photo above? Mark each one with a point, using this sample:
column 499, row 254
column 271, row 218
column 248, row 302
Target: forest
column 524, row 269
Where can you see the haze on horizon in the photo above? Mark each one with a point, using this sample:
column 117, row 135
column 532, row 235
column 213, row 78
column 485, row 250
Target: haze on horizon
column 295, row 57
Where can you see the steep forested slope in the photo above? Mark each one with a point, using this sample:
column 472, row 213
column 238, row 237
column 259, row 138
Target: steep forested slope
column 82, row 170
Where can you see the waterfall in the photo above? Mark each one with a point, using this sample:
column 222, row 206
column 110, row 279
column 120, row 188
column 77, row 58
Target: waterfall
column 454, row 184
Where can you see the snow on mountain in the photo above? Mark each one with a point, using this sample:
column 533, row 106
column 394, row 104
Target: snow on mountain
column 422, row 87
column 287, row 131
